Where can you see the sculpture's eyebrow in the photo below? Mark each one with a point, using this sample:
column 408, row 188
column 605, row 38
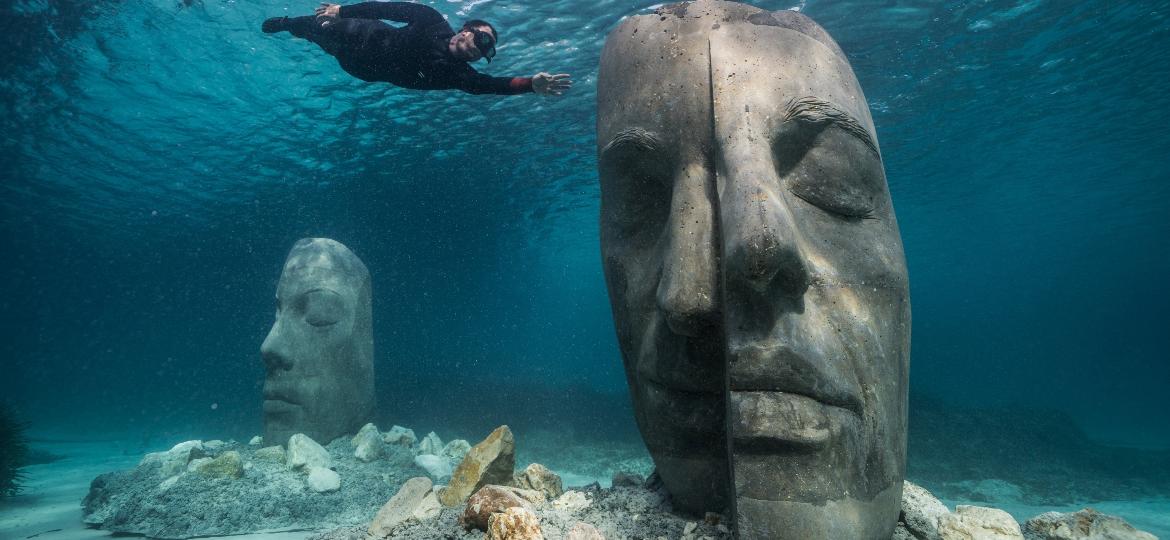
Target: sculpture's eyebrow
column 811, row 110
column 631, row 139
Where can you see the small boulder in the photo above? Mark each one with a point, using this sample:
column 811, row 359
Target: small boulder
column 584, row 531
column 438, row 467
column 488, row 500
column 214, row 445
column 571, row 501
column 368, row 444
column 322, row 480
column 305, row 453
column 1087, row 524
column 971, row 522
column 539, row 478
column 226, row 465
column 921, row 511
column 400, row 436
column 256, row 441
column 627, row 479
column 274, row 454
column 175, row 460
column 456, row 450
column 514, row 523
column 415, row 500
column 489, row 462
column 530, row 495
column 431, row 444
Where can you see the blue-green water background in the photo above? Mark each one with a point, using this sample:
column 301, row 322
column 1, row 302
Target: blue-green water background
column 159, row 159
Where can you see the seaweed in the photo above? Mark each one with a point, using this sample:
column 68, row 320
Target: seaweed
column 13, row 452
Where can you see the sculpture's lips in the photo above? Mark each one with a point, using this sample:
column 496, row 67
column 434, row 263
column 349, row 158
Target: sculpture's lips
column 276, row 406
column 779, row 368
column 691, row 364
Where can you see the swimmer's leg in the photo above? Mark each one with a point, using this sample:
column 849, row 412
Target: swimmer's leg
column 328, row 32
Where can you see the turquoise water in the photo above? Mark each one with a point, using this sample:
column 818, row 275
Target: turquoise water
column 160, row 159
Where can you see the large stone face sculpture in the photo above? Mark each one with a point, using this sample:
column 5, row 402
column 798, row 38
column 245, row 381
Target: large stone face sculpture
column 755, row 270
column 318, row 357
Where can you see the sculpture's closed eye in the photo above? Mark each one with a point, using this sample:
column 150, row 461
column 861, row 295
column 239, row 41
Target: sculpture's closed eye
column 821, row 170
column 323, row 307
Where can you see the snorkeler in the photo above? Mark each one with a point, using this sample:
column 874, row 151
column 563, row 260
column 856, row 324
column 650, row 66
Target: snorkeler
column 426, row 54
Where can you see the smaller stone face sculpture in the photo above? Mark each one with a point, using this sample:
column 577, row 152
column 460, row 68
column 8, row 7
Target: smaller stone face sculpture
column 318, row 356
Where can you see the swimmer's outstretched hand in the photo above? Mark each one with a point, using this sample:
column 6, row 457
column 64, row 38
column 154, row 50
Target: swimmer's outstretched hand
column 328, row 10
column 551, row 85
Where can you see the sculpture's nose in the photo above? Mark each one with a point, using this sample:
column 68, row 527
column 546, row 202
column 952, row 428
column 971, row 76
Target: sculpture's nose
column 688, row 291
column 273, row 351
column 761, row 240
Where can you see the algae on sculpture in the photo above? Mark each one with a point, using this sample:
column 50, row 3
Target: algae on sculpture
column 755, row 270
column 318, row 356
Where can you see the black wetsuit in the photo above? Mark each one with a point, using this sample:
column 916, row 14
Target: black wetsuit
column 413, row 56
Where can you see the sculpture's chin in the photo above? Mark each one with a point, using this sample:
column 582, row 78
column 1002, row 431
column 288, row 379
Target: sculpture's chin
column 696, row 484
column 684, row 432
column 871, row 519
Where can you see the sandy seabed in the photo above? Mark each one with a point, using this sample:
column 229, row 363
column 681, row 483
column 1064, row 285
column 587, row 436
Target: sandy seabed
column 49, row 507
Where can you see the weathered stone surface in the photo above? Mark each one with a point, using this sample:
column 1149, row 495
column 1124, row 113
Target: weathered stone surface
column 431, row 444
column 571, row 501
column 274, row 454
column 584, row 531
column 226, row 465
column 515, row 523
column 627, row 479
column 488, row 500
column 323, row 480
column 1087, row 524
column 256, row 441
column 920, row 511
column 539, row 478
column 437, row 466
column 305, row 453
column 902, row 533
column 978, row 523
column 368, row 444
column 400, row 436
column 415, row 500
column 456, row 450
column 489, row 462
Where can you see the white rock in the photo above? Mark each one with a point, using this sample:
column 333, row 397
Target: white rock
column 213, row 445
column 415, row 500
column 400, row 436
column 1087, row 524
column 437, row 466
column 921, row 511
column 305, row 453
column 456, row 450
column 175, row 460
column 368, row 444
column 256, row 441
column 168, row 483
column 323, row 480
column 571, row 501
column 978, row 523
column 431, row 444
column 195, row 463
